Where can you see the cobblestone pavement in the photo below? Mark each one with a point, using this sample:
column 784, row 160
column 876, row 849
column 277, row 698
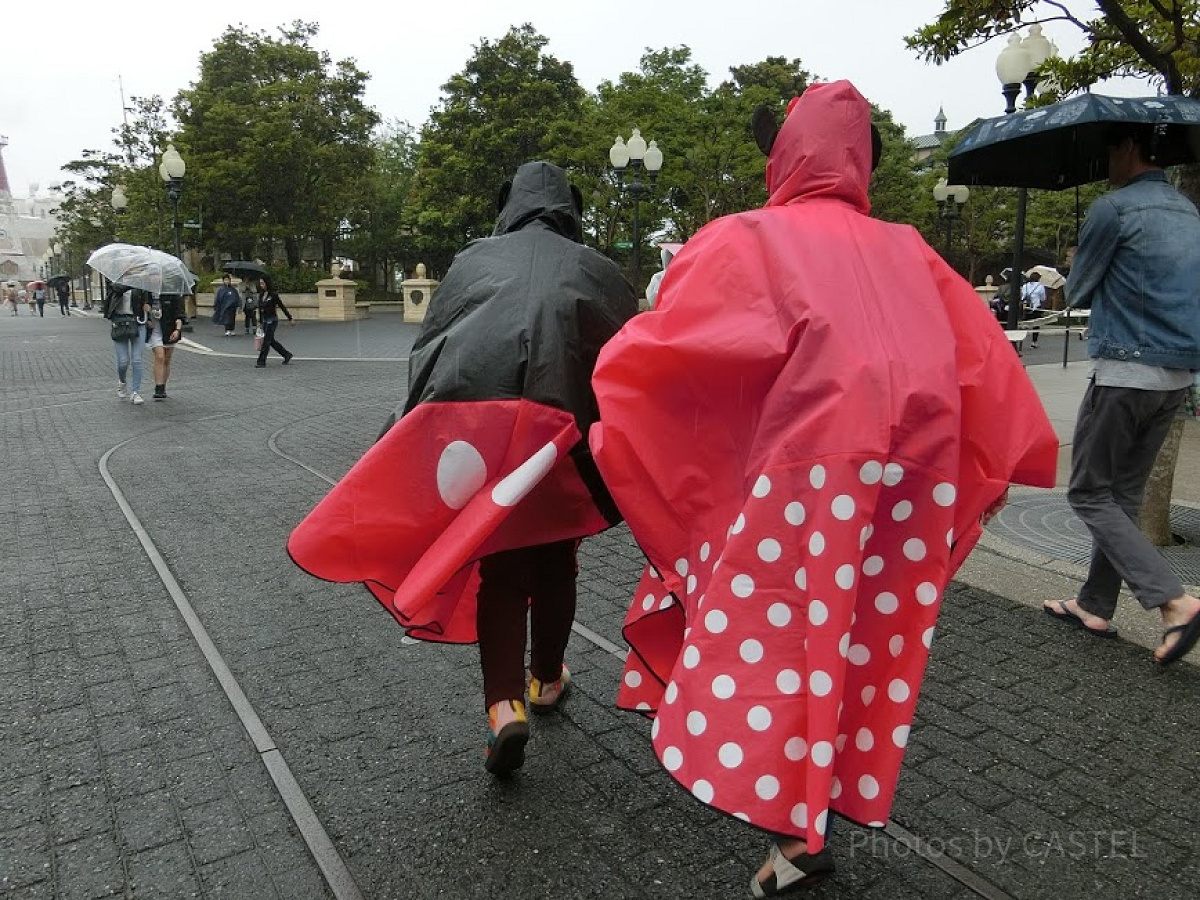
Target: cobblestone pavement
column 1044, row 762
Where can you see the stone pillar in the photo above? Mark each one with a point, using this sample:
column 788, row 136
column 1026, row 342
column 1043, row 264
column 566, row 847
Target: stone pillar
column 987, row 291
column 336, row 298
column 417, row 293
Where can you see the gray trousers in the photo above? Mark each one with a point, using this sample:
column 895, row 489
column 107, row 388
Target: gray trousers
column 1117, row 436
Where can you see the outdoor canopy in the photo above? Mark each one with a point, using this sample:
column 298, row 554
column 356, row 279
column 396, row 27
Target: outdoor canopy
column 1063, row 145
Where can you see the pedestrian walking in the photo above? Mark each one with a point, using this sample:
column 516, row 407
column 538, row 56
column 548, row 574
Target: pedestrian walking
column 250, row 307
column 63, row 289
column 498, row 404
column 1138, row 270
column 805, row 468
column 10, row 296
column 226, row 304
column 165, row 319
column 124, row 308
column 39, row 298
column 270, row 305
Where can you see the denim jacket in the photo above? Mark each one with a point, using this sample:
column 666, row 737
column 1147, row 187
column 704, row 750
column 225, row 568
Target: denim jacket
column 1138, row 269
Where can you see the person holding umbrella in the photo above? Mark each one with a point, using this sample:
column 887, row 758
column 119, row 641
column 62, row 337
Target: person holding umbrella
column 37, row 290
column 62, row 288
column 1138, row 270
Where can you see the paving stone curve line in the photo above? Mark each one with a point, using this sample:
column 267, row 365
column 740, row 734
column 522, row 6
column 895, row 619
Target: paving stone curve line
column 329, row 861
column 918, row 845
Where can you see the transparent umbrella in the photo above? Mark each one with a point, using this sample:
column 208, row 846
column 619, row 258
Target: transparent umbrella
column 143, row 268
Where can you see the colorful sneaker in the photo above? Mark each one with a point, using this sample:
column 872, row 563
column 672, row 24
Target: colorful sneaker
column 121, row 392
column 506, row 743
column 546, row 696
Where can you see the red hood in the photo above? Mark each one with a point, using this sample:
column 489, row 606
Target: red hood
column 823, row 148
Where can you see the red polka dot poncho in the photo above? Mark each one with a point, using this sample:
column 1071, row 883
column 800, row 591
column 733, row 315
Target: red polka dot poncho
column 803, row 436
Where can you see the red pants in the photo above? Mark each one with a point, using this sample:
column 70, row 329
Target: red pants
column 541, row 580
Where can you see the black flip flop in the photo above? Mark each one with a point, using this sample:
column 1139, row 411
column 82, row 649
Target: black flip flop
column 1069, row 618
column 1189, row 633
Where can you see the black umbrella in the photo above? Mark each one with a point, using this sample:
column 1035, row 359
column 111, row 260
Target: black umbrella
column 243, row 268
column 1063, row 145
column 56, row 280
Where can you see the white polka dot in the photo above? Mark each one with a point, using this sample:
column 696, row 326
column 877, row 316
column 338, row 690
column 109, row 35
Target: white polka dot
column 681, row 566
column 654, row 728
column 762, row 487
column 741, row 815
column 525, row 477
column 868, row 694
column 892, row 473
column 795, row 749
column 738, row 524
column 927, row 593
column 649, row 602
column 864, row 740
column 900, row 736
column 878, row 823
column 859, row 655
column 742, row 586
column 671, row 694
column 691, row 584
column 868, row 787
column 844, row 577
column 835, row 788
column 702, row 791
column 794, row 513
column 896, row 645
column 870, row 473
column 843, row 507
column 730, row 755
column 901, row 511
column 461, row 472
column 643, row 707
column 914, row 549
column 767, row 787
column 844, row 645
column 788, row 681
column 696, row 723
column 769, row 550
column 944, row 494
column 705, row 550
column 779, row 614
column 633, row 678
column 950, row 538
column 927, row 638
column 820, row 683
column 723, row 687
column 865, row 535
column 716, row 621
column 818, row 613
column 816, row 477
column 672, row 759
column 898, row 691
column 872, row 565
column 691, row 657
column 840, row 743
column 802, row 579
column 821, row 821
column 822, row 753
column 666, row 601
column 816, row 543
column 751, row 650
column 799, row 815
column 654, row 572
column 759, row 718
column 887, row 603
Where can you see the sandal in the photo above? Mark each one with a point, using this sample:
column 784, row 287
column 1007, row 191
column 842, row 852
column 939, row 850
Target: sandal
column 1067, row 617
column 547, row 696
column 788, row 875
column 1189, row 633
column 506, row 746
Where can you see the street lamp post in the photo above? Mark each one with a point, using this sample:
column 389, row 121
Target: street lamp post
column 636, row 157
column 171, row 170
column 1017, row 65
column 951, row 198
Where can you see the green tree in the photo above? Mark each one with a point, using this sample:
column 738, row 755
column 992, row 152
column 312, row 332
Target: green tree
column 511, row 103
column 276, row 137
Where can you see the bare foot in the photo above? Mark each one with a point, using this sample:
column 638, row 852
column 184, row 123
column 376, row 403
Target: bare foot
column 1092, row 623
column 1175, row 612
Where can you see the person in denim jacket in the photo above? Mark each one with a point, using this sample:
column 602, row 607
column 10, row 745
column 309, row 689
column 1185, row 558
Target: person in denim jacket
column 1138, row 270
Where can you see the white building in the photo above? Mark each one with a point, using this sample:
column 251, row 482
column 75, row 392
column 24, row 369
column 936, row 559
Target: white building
column 26, row 229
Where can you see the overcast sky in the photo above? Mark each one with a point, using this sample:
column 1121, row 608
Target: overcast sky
column 61, row 80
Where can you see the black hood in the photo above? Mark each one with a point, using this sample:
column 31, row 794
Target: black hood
column 539, row 192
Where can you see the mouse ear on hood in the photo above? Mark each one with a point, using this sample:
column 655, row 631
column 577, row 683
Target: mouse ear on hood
column 876, row 147
column 505, row 190
column 765, row 128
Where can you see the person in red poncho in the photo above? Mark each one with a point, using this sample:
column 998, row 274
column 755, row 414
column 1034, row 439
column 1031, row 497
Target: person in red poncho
column 805, row 438
column 465, row 516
